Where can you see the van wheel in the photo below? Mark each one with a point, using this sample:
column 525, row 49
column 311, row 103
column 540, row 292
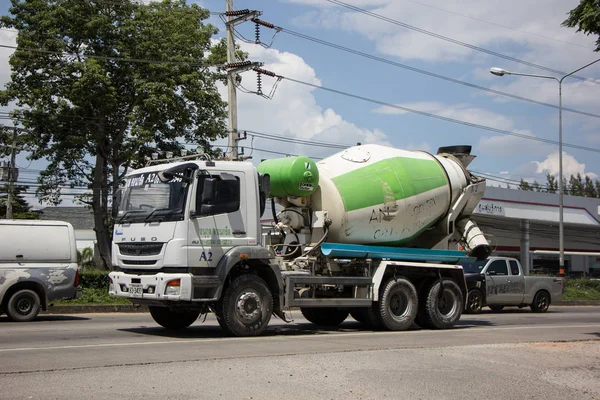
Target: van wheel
column 398, row 305
column 541, row 302
column 441, row 310
column 246, row 306
column 23, row 306
column 173, row 319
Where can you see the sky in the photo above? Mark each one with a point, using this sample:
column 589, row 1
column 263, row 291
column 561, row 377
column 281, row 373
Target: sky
column 456, row 40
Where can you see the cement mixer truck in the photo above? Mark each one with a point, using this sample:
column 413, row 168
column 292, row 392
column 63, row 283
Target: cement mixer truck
column 372, row 232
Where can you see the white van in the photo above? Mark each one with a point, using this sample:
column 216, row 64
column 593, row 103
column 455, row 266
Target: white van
column 38, row 265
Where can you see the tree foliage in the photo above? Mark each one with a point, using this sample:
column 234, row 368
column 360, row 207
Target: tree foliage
column 100, row 85
column 21, row 209
column 586, row 17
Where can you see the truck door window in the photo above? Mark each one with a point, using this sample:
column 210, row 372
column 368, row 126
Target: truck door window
column 514, row 267
column 498, row 267
column 226, row 196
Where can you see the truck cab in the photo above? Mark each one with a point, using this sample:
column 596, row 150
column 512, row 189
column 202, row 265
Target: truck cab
column 497, row 282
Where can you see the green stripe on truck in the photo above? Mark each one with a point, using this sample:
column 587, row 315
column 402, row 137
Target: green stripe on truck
column 389, row 180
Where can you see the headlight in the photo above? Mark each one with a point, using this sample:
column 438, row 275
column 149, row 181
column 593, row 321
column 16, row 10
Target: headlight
column 173, row 288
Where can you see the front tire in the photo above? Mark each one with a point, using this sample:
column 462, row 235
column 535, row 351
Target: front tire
column 541, row 302
column 173, row 319
column 324, row 316
column 442, row 310
column 474, row 302
column 398, row 305
column 23, row 306
column 246, row 306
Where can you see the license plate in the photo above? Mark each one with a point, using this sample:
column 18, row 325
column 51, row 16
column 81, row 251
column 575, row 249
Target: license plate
column 136, row 290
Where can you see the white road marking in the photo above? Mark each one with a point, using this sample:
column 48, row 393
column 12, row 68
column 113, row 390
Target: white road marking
column 284, row 337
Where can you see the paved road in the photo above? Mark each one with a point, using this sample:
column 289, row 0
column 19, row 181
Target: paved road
column 514, row 354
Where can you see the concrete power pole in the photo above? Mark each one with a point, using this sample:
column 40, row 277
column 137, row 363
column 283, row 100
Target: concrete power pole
column 231, row 94
column 11, row 170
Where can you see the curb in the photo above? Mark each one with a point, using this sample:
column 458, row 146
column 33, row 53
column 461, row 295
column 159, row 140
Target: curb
column 130, row 308
column 95, row 308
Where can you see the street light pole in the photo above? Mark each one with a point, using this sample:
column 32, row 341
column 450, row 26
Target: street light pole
column 502, row 72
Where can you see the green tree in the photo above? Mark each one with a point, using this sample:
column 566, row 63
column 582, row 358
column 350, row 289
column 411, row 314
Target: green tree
column 524, row 185
column 597, row 184
column 589, row 189
column 551, row 184
column 586, row 17
column 576, row 185
column 102, row 84
column 21, row 209
column 536, row 187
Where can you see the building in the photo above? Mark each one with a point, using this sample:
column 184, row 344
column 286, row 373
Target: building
column 524, row 224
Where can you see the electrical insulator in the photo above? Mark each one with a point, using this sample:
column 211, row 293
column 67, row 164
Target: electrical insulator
column 258, row 83
column 257, row 33
column 263, row 23
column 265, row 72
column 237, row 13
column 237, row 64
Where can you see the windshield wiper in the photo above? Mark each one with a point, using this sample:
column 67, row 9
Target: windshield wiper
column 127, row 213
column 163, row 212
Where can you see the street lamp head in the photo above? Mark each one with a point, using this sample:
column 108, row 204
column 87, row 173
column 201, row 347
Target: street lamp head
column 498, row 71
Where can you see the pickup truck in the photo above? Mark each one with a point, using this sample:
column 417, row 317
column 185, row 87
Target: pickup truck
column 498, row 282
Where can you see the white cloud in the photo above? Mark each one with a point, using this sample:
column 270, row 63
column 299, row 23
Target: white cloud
column 570, row 166
column 293, row 111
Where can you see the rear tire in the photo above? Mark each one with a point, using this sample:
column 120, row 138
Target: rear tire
column 369, row 316
column 173, row 319
column 398, row 305
column 541, row 302
column 326, row 316
column 23, row 306
column 441, row 312
column 246, row 306
column 496, row 308
column 474, row 302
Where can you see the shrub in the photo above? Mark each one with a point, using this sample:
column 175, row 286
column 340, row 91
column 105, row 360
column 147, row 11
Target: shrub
column 94, row 279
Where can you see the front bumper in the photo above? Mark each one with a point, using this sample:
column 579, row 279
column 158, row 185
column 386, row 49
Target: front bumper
column 154, row 286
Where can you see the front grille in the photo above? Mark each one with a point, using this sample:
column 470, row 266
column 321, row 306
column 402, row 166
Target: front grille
column 140, row 249
column 139, row 262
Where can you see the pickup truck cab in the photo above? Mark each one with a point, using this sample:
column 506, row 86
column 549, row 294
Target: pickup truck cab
column 498, row 282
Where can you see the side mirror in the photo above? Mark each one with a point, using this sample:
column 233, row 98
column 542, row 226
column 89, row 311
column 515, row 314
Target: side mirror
column 178, row 171
column 209, row 191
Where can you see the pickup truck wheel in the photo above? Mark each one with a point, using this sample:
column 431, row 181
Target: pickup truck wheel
column 442, row 310
column 474, row 302
column 541, row 302
column 23, row 306
column 398, row 305
column 173, row 319
column 326, row 316
column 496, row 308
column 246, row 306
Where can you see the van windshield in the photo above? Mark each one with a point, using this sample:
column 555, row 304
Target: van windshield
column 146, row 199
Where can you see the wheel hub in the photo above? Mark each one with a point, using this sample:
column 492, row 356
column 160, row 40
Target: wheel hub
column 447, row 302
column 398, row 305
column 249, row 306
column 24, row 305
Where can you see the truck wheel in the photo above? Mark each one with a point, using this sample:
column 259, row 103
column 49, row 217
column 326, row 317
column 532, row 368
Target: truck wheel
column 496, row 308
column 474, row 302
column 246, row 306
column 541, row 302
column 441, row 310
column 173, row 319
column 23, row 306
column 369, row 316
column 324, row 316
column 398, row 305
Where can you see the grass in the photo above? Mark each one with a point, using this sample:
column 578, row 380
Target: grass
column 582, row 289
column 93, row 296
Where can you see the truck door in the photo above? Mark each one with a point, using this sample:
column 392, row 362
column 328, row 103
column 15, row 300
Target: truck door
column 496, row 283
column 219, row 223
column 516, row 283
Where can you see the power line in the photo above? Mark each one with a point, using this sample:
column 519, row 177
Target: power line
column 457, row 42
column 497, row 24
column 448, row 119
column 428, row 73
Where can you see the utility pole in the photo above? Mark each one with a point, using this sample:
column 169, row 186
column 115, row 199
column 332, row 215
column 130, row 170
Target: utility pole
column 231, row 76
column 11, row 170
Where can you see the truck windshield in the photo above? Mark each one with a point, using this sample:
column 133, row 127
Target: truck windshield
column 146, row 199
column 473, row 267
